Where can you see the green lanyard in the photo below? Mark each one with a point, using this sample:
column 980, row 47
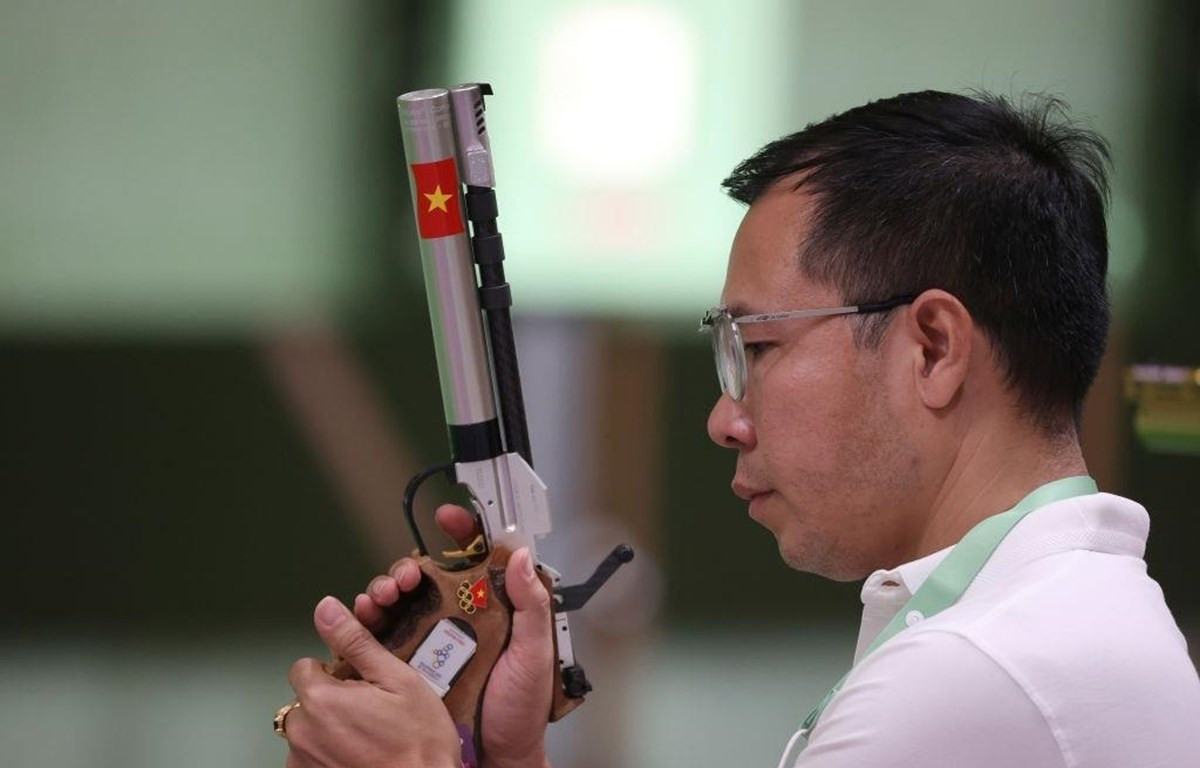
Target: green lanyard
column 955, row 573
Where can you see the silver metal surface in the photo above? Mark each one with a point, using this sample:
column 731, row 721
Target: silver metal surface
column 510, row 499
column 426, row 125
column 507, row 494
column 562, row 629
column 514, row 506
column 562, row 632
column 463, row 369
column 474, row 148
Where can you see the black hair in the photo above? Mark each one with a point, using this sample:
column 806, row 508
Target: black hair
column 1001, row 205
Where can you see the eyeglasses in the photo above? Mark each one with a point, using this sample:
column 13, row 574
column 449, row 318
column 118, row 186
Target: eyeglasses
column 730, row 351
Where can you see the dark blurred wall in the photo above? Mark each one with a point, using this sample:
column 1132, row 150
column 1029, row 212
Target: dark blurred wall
column 156, row 482
column 1164, row 319
column 161, row 485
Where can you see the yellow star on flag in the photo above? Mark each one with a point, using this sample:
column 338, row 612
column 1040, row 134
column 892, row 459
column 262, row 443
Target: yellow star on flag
column 437, row 200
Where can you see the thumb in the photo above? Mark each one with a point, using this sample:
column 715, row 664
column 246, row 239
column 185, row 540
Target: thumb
column 347, row 638
column 532, row 642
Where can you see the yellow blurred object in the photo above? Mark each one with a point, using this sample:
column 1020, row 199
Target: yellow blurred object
column 1166, row 402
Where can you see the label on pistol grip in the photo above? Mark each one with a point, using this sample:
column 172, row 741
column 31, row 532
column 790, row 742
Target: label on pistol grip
column 443, row 654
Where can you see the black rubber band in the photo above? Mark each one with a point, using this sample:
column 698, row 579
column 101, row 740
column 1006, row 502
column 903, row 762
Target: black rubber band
column 489, row 249
column 475, row 442
column 481, row 203
column 495, row 297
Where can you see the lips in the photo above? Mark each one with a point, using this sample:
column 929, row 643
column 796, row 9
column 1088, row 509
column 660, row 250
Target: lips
column 747, row 491
column 757, row 509
column 755, row 494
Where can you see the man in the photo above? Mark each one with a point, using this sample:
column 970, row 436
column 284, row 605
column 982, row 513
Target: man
column 914, row 308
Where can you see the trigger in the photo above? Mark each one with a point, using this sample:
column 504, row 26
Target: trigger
column 477, row 547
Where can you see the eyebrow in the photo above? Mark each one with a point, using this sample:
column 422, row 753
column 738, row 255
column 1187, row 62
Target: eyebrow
column 738, row 309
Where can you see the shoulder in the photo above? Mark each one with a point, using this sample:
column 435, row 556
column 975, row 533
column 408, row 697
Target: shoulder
column 1044, row 671
column 932, row 698
column 1088, row 637
column 1080, row 628
column 1066, row 608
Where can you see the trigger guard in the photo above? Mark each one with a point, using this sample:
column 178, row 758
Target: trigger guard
column 410, row 494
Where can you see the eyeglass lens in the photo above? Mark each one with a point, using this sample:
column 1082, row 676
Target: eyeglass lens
column 730, row 357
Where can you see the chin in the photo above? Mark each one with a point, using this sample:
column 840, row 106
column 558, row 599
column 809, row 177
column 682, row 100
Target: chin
column 826, row 564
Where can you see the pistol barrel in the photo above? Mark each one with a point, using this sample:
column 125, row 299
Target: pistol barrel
column 454, row 311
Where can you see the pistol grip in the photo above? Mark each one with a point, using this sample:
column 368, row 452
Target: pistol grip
column 437, row 597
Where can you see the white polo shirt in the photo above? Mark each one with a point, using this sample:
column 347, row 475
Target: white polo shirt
column 1062, row 652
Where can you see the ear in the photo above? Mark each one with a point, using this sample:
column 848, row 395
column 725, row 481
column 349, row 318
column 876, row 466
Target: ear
column 941, row 331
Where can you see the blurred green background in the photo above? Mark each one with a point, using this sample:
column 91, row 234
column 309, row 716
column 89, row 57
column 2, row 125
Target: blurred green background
column 216, row 370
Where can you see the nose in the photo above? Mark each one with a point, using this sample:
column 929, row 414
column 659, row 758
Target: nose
column 729, row 425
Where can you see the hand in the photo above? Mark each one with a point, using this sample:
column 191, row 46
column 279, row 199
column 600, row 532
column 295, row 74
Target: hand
column 389, row 718
column 516, row 703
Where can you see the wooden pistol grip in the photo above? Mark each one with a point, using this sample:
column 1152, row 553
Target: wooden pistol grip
column 444, row 594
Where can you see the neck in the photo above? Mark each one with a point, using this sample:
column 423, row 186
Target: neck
column 992, row 471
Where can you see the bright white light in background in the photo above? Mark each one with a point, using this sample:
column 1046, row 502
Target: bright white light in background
column 614, row 121
column 216, row 228
column 616, row 95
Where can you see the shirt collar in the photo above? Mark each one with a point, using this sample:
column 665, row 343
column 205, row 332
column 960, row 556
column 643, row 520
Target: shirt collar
column 1100, row 522
column 1123, row 523
column 885, row 591
column 902, row 580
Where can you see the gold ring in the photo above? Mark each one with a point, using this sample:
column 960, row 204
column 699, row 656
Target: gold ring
column 280, row 721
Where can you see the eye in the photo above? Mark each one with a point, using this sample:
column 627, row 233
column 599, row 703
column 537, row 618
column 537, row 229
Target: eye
column 756, row 348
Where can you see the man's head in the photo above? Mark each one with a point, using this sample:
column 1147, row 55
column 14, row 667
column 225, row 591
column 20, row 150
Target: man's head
column 994, row 217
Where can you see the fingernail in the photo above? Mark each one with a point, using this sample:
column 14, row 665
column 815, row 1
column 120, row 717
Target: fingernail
column 528, row 564
column 330, row 612
column 376, row 587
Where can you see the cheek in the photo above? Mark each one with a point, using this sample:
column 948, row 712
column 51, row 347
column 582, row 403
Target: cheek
column 803, row 425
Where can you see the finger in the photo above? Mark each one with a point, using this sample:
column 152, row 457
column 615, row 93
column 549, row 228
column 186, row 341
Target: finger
column 383, row 590
column 407, row 574
column 304, row 674
column 299, row 735
column 299, row 759
column 348, row 638
column 457, row 522
column 531, row 644
column 368, row 612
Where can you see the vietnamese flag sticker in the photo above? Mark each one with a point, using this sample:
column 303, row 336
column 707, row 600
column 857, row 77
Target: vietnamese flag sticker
column 479, row 593
column 438, row 213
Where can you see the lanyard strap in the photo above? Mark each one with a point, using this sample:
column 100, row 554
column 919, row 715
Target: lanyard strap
column 955, row 573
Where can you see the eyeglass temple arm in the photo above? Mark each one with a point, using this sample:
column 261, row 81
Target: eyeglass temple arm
column 883, row 306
